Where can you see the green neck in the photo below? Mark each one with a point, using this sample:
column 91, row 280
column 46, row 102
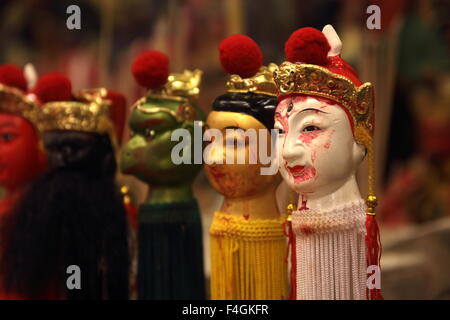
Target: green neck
column 167, row 194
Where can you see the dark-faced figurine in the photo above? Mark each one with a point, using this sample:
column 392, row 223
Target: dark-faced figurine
column 71, row 219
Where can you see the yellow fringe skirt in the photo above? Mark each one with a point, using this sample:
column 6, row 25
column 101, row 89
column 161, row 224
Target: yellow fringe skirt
column 248, row 259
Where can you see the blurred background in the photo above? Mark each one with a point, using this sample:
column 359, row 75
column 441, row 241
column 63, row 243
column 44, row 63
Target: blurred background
column 407, row 60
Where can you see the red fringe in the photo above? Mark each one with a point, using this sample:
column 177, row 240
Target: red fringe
column 291, row 246
column 373, row 254
column 132, row 215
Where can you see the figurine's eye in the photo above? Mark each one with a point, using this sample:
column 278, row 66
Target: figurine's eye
column 311, row 128
column 150, row 133
column 281, row 131
column 7, row 136
column 290, row 107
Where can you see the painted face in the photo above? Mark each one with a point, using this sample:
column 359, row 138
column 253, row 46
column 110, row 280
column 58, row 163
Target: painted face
column 236, row 180
column 317, row 151
column 147, row 155
column 21, row 159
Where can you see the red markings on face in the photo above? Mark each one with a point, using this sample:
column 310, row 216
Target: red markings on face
column 324, row 101
column 246, row 216
column 307, row 174
column 283, row 121
column 307, row 138
column 313, row 156
column 226, row 181
column 296, row 170
column 281, row 115
column 328, row 143
column 216, row 173
column 282, row 106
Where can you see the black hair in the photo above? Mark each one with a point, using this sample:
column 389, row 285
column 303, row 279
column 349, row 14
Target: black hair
column 72, row 215
column 259, row 106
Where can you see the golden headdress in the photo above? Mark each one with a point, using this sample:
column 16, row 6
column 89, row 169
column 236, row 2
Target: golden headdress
column 151, row 71
column 13, row 94
column 88, row 112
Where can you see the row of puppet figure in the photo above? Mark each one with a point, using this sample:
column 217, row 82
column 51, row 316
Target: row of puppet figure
column 58, row 158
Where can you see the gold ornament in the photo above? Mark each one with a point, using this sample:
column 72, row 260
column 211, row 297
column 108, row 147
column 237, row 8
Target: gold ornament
column 186, row 84
column 13, row 100
column 262, row 82
column 183, row 88
column 89, row 114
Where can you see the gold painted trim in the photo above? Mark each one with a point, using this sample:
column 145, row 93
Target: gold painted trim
column 262, row 82
column 15, row 101
column 309, row 79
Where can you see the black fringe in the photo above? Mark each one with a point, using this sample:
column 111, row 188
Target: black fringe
column 170, row 252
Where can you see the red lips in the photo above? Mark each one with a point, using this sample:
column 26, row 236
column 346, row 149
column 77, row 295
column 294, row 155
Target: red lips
column 296, row 169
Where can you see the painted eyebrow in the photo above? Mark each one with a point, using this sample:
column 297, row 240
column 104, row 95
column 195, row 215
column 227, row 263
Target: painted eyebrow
column 314, row 110
column 233, row 127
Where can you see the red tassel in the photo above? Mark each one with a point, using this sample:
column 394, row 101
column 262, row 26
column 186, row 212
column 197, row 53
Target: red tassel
column 373, row 254
column 291, row 247
column 132, row 214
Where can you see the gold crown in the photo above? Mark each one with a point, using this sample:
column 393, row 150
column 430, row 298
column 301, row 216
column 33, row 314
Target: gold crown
column 261, row 82
column 313, row 80
column 183, row 88
column 13, row 100
column 90, row 113
column 186, row 84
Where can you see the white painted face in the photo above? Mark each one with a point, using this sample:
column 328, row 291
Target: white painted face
column 317, row 150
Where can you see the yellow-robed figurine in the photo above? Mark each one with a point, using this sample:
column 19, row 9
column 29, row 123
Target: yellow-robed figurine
column 248, row 245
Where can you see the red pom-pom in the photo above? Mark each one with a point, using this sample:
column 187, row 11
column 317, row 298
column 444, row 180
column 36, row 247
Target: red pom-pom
column 53, row 86
column 240, row 55
column 12, row 76
column 151, row 69
column 307, row 45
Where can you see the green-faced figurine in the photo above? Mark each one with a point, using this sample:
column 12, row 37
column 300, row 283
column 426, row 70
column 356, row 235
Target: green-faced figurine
column 169, row 226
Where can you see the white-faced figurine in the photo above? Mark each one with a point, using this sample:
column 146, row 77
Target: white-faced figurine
column 325, row 117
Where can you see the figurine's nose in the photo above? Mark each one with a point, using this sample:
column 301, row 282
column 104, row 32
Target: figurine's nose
column 289, row 154
column 292, row 149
